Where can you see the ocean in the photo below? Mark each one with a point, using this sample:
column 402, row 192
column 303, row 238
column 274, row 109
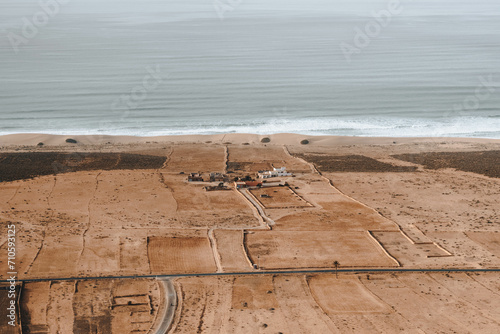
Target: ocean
column 353, row 68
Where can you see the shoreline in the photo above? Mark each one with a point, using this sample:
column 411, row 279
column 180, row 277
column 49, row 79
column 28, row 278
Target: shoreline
column 33, row 139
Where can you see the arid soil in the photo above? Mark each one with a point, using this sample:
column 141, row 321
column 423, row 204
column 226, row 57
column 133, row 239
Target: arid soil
column 352, row 163
column 375, row 303
column 486, row 163
column 19, row 166
column 128, row 210
column 105, row 306
column 279, row 197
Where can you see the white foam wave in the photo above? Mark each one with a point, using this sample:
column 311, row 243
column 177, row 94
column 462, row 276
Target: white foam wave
column 485, row 127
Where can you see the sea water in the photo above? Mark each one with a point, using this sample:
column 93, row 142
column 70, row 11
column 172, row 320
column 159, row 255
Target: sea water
column 430, row 68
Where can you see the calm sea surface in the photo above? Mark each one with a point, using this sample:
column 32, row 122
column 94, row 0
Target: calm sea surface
column 183, row 67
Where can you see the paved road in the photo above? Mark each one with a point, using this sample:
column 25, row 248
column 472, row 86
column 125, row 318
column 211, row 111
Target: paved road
column 170, row 306
column 269, row 272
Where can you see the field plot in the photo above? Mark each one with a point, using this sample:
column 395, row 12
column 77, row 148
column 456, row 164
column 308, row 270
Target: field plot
column 485, row 296
column 241, row 169
column 341, row 216
column 30, row 196
column 231, row 250
column 315, row 249
column 406, row 252
column 375, row 303
column 58, row 256
column 7, row 192
column 17, row 166
column 466, row 252
column 489, row 240
column 485, row 162
column 427, row 199
column 134, row 306
column 102, row 307
column 34, row 302
column 279, row 197
column 253, row 293
column 203, row 305
column 351, row 163
column 180, row 255
column 134, row 254
column 252, row 159
column 199, row 208
column 299, row 309
column 72, row 194
column 262, row 304
column 101, row 255
column 344, row 295
column 132, row 199
column 472, row 319
column 29, row 241
column 490, row 281
column 60, row 314
column 196, row 158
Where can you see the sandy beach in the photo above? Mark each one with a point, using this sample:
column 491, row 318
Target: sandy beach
column 86, row 207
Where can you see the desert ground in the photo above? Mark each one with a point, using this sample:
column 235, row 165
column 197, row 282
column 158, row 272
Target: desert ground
column 112, row 238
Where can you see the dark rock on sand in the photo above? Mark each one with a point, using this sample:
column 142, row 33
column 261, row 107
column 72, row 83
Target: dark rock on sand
column 265, row 140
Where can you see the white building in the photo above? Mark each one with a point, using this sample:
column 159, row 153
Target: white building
column 276, row 172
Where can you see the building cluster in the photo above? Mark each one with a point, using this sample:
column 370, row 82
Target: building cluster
column 213, row 177
column 195, row 177
column 248, row 182
column 276, row 172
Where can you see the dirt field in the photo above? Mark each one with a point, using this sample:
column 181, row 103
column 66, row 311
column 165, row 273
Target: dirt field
column 330, row 210
column 466, row 252
column 231, row 250
column 485, row 162
column 422, row 255
column 381, row 303
column 102, row 307
column 196, row 158
column 351, row 163
column 241, row 158
column 427, row 197
column 345, row 295
column 180, row 255
column 348, row 216
column 77, row 223
column 308, row 249
column 279, row 197
column 35, row 298
column 18, row 166
column 253, row 293
column 196, row 207
column 489, row 240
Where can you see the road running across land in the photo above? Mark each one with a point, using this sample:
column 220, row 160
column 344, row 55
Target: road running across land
column 271, row 272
